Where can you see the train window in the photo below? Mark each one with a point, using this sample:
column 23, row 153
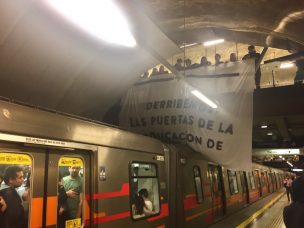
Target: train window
column 257, row 178
column 144, row 190
column 251, row 181
column 70, row 192
column 198, row 184
column 15, row 185
column 233, row 182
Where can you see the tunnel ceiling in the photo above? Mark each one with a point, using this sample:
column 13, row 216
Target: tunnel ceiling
column 46, row 62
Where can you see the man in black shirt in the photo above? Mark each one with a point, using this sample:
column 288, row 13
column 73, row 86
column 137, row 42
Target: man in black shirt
column 252, row 54
column 13, row 216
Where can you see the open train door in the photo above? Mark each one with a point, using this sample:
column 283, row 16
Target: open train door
column 39, row 198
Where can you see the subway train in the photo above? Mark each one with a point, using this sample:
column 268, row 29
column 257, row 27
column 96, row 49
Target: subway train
column 118, row 174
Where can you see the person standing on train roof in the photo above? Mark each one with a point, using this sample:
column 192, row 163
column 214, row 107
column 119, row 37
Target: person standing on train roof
column 252, row 54
column 293, row 214
column 13, row 215
column 73, row 187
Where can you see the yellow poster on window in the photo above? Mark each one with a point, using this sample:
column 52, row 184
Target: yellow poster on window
column 15, row 159
column 69, row 161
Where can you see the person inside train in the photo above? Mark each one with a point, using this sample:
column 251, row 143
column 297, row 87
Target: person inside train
column 24, row 193
column 287, row 184
column 188, row 63
column 293, row 214
column 138, row 206
column 13, row 215
column 178, row 64
column 73, row 188
column 62, row 215
column 148, row 205
column 162, row 70
column 217, row 59
column 233, row 57
column 252, row 54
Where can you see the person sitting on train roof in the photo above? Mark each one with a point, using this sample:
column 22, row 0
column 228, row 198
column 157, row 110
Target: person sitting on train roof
column 252, row 54
column 178, row 64
column 154, row 72
column 162, row 70
column 148, row 206
column 217, row 59
column 204, row 61
column 233, row 57
column 293, row 214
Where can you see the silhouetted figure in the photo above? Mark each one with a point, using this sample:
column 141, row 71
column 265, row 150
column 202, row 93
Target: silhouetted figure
column 233, row 57
column 204, row 61
column 252, row 54
column 154, row 71
column 162, row 70
column 217, row 59
column 148, row 206
column 293, row 214
column 287, row 184
column 298, row 80
column 178, row 64
column 188, row 63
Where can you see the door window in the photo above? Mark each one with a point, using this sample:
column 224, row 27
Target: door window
column 70, row 192
column 198, row 184
column 15, row 188
column 232, row 182
column 144, row 190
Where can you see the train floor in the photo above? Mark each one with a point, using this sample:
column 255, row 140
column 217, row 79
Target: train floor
column 267, row 212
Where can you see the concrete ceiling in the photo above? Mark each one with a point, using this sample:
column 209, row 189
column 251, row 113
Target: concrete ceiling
column 47, row 62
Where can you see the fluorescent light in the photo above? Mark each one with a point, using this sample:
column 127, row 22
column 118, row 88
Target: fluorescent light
column 264, row 126
column 99, row 18
column 203, row 98
column 289, row 163
column 286, row 65
column 188, row 45
column 213, row 42
column 285, row 151
column 269, row 133
column 280, row 156
column 297, row 170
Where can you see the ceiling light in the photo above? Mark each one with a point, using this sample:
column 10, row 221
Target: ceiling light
column 297, row 170
column 280, row 156
column 203, row 98
column 101, row 19
column 188, row 45
column 269, row 133
column 285, row 151
column 213, row 42
column 264, row 126
column 286, row 65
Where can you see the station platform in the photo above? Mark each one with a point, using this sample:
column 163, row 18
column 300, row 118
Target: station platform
column 266, row 212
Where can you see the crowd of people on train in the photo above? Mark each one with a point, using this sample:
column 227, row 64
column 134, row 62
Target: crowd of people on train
column 15, row 197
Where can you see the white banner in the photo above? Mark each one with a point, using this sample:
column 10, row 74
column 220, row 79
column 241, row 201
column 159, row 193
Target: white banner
column 165, row 108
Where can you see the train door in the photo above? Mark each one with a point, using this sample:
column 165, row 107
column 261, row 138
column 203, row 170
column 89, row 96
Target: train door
column 245, row 188
column 217, row 191
column 258, row 181
column 30, row 187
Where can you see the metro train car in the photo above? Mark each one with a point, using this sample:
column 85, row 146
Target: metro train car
column 114, row 178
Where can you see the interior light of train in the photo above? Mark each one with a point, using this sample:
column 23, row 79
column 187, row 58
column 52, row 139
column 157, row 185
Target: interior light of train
column 101, row 19
column 285, row 151
column 297, row 170
column 213, row 42
column 203, row 98
column 286, row 65
column 264, row 126
column 289, row 163
column 280, row 156
column 188, row 45
column 269, row 133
